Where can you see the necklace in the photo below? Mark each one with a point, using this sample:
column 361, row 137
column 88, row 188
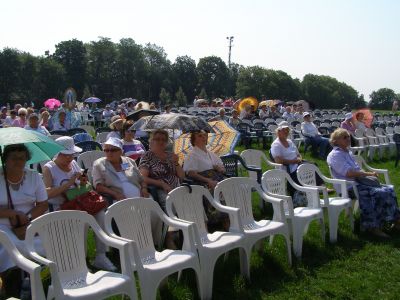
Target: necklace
column 16, row 185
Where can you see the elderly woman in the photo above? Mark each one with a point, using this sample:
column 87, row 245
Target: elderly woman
column 378, row 204
column 202, row 164
column 117, row 175
column 116, row 124
column 27, row 201
column 132, row 148
column 62, row 123
column 21, row 120
column 33, row 124
column 234, row 119
column 161, row 168
column 44, row 119
column 61, row 175
column 348, row 123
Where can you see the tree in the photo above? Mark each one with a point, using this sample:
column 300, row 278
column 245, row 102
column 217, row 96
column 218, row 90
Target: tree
column 382, row 99
column 102, row 67
column 164, row 97
column 9, row 73
column 131, row 68
column 213, row 75
column 51, row 79
column 181, row 97
column 233, row 78
column 72, row 55
column 203, row 94
column 158, row 70
column 28, row 78
column 184, row 75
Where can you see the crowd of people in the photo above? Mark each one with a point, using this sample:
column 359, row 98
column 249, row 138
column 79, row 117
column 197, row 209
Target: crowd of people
column 129, row 170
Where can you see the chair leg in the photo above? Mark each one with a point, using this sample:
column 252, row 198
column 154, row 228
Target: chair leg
column 245, row 255
column 333, row 214
column 289, row 247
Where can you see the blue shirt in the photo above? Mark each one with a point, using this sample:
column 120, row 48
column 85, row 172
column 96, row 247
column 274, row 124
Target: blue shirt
column 340, row 162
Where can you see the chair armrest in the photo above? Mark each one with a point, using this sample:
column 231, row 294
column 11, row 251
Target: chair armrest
column 277, row 205
column 233, row 212
column 379, row 171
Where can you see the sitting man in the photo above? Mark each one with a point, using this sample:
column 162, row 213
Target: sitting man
column 313, row 136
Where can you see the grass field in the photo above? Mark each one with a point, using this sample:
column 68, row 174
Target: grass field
column 358, row 266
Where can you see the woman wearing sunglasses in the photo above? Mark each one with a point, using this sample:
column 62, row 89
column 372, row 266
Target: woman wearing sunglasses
column 117, row 175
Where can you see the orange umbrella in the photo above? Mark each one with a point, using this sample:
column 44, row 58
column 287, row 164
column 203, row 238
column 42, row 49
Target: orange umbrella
column 368, row 116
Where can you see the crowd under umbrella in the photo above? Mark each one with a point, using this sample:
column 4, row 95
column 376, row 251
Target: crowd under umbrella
column 222, row 140
column 368, row 117
column 136, row 115
column 185, row 123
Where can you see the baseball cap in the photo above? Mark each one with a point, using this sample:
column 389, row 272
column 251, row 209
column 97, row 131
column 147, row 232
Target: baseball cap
column 68, row 143
column 348, row 116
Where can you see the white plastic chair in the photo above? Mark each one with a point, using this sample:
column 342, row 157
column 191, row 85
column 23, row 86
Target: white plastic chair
column 255, row 158
column 237, row 192
column 63, row 236
column 374, row 143
column 133, row 219
column 86, row 159
column 274, row 184
column 89, row 129
column 306, row 174
column 186, row 203
column 361, row 162
column 25, row 264
column 102, row 137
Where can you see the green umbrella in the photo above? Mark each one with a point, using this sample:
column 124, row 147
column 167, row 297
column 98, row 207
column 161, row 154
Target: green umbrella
column 41, row 147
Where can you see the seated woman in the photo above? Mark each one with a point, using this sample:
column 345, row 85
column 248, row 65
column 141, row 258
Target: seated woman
column 117, row 175
column 208, row 169
column 161, row 169
column 115, row 126
column 285, row 152
column 61, row 123
column 132, row 148
column 201, row 164
column 378, row 205
column 63, row 174
column 27, row 201
column 359, row 123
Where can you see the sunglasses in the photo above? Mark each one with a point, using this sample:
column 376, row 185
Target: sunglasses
column 111, row 150
column 21, row 114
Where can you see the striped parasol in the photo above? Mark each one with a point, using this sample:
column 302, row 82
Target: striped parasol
column 222, row 141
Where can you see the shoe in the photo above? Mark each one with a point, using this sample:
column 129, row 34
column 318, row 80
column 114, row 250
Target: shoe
column 102, row 262
column 379, row 233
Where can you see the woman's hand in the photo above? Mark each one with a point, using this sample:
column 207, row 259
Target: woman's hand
column 212, row 183
column 74, row 177
column 144, row 192
column 166, row 187
column 118, row 196
column 175, row 158
column 19, row 219
column 219, row 169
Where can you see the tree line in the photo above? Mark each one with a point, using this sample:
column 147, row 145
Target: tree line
column 112, row 71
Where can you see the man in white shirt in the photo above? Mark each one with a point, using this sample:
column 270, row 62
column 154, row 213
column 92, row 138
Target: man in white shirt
column 310, row 132
column 288, row 113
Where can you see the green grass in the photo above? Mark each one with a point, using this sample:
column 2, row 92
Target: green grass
column 358, row 266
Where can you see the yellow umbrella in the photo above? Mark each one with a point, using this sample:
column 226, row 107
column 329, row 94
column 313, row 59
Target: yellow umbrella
column 222, row 141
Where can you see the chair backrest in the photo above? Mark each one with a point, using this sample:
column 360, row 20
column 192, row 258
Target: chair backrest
column 59, row 132
column 89, row 129
column 102, row 129
column 63, row 235
column 254, row 157
column 73, row 131
column 236, row 192
column 86, row 159
column 187, row 202
column 89, row 146
column 102, row 137
column 275, row 182
column 133, row 219
column 82, row 137
column 306, row 174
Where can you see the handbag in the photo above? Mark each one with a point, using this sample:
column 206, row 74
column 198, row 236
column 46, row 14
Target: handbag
column 16, row 227
column 371, row 181
column 91, row 202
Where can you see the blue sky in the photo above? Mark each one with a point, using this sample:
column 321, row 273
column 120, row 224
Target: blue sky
column 355, row 41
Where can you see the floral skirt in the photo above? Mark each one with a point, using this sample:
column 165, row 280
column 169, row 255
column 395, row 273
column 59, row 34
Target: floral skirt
column 378, row 205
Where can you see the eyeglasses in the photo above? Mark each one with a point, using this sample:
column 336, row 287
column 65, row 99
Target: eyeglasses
column 21, row 114
column 160, row 140
column 111, row 150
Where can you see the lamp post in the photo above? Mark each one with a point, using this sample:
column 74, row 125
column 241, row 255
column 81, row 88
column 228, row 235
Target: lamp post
column 230, row 38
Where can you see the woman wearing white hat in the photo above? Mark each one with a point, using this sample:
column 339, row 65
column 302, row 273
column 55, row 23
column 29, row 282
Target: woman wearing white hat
column 63, row 173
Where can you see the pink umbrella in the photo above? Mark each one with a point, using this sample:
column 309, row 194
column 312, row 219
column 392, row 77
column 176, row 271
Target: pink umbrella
column 52, row 103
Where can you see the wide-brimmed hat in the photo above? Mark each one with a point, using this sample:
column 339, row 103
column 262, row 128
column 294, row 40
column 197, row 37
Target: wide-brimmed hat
column 114, row 142
column 69, row 145
column 115, row 120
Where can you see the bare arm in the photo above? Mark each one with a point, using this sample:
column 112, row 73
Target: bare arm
column 56, row 191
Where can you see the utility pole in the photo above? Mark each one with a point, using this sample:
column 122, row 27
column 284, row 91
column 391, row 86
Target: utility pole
column 230, row 38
